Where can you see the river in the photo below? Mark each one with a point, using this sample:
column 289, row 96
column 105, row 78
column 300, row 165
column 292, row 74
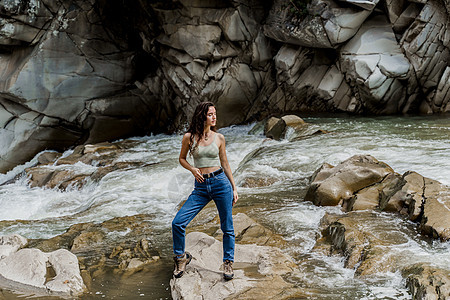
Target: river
column 414, row 143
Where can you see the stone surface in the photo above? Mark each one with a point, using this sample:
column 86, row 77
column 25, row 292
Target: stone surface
column 119, row 245
column 436, row 210
column 363, row 183
column 425, row 44
column 56, row 59
column 10, row 244
column 259, row 272
column 427, row 282
column 365, row 241
column 324, row 24
column 86, row 163
column 366, row 249
column 375, row 63
column 54, row 273
column 76, row 72
column 333, row 185
column 289, row 127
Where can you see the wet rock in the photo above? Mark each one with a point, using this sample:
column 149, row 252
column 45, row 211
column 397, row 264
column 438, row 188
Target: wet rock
column 411, row 195
column 362, row 182
column 377, row 196
column 435, row 221
column 86, row 163
column 332, row 185
column 365, row 239
column 10, row 244
column 48, row 157
column 251, row 182
column 119, row 245
column 291, row 127
column 54, row 273
column 276, row 128
column 259, row 272
column 427, row 282
column 365, row 250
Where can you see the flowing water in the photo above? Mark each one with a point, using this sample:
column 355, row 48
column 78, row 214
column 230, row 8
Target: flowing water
column 419, row 144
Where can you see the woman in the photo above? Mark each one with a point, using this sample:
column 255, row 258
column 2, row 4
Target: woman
column 213, row 181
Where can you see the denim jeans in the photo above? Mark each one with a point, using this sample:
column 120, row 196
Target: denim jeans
column 217, row 188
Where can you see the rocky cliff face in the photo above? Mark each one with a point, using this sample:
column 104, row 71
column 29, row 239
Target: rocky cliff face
column 76, row 71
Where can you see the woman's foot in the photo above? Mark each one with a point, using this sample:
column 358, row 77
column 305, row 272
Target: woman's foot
column 228, row 273
column 180, row 264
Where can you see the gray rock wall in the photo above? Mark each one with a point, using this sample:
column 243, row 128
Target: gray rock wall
column 76, row 71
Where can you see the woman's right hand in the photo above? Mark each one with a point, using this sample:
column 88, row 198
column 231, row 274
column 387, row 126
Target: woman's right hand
column 197, row 174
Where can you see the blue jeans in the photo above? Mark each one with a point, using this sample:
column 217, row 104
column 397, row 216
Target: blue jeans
column 216, row 188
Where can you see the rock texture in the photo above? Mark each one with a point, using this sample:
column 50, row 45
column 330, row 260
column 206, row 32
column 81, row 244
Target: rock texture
column 426, row 282
column 367, row 249
column 259, row 272
column 65, row 74
column 262, row 269
column 54, row 273
column 362, row 182
column 85, row 164
column 288, row 126
column 119, row 245
column 76, row 72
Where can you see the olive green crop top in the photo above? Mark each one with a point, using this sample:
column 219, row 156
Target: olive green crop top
column 207, row 156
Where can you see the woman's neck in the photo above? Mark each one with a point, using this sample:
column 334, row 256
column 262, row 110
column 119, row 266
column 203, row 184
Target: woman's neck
column 207, row 132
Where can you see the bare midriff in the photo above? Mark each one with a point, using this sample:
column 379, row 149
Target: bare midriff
column 208, row 169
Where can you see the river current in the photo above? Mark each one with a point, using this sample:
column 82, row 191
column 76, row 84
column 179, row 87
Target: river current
column 418, row 144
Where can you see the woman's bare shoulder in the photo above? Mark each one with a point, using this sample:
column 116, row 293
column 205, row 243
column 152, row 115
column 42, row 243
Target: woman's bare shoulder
column 187, row 137
column 220, row 137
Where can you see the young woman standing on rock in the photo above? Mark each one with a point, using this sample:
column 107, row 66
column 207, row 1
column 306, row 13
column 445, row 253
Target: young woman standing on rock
column 213, row 181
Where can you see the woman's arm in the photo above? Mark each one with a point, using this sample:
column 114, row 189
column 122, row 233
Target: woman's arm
column 182, row 159
column 226, row 166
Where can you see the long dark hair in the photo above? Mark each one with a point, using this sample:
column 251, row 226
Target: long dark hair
column 198, row 124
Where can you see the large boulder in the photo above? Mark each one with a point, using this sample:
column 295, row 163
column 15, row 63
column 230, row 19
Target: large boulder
column 362, row 183
column 259, row 272
column 54, row 273
column 276, row 128
column 332, row 185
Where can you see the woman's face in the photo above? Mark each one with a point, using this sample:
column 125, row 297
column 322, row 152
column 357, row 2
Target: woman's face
column 211, row 116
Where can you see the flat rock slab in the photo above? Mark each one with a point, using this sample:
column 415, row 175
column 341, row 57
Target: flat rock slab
column 259, row 272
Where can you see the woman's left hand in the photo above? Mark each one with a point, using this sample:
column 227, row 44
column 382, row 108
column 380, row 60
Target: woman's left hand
column 235, row 197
